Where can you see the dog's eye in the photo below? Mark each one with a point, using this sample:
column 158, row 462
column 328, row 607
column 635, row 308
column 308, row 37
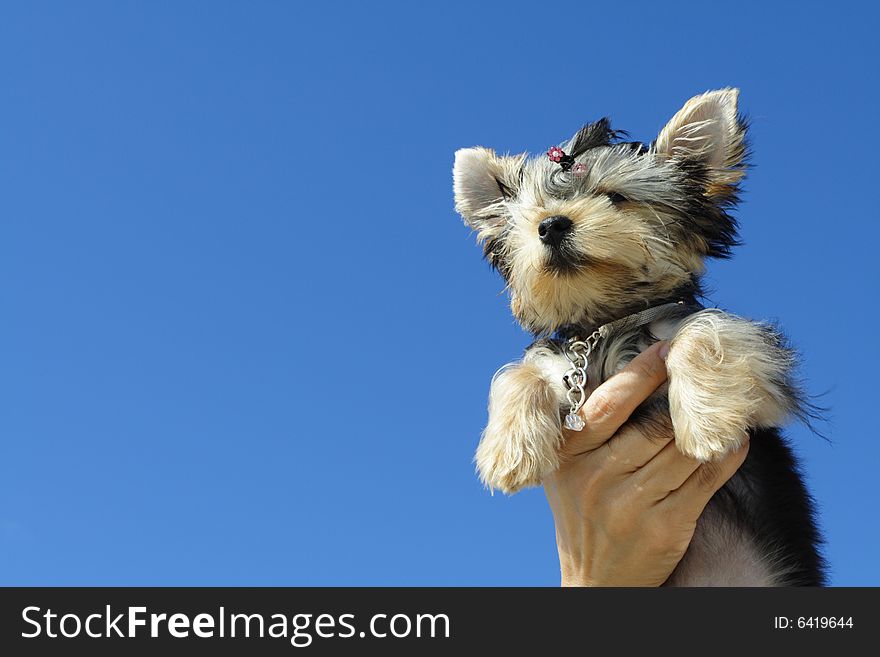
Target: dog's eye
column 616, row 197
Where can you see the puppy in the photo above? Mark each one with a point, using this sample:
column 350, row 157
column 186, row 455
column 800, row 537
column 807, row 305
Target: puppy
column 602, row 243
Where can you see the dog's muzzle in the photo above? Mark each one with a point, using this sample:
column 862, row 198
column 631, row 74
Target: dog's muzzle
column 553, row 230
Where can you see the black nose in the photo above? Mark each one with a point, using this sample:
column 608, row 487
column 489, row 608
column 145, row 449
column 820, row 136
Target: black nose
column 553, row 229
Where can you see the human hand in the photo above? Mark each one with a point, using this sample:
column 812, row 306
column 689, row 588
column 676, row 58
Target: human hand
column 626, row 502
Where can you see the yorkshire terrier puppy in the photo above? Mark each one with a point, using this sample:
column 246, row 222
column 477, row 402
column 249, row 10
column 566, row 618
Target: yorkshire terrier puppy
column 602, row 243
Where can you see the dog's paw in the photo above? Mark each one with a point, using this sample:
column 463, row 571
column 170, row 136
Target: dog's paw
column 714, row 395
column 727, row 374
column 705, row 437
column 520, row 445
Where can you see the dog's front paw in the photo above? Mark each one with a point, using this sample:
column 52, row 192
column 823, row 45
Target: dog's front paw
column 713, row 392
column 520, row 444
column 702, row 430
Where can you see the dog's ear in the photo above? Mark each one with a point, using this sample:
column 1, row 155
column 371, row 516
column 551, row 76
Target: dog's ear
column 482, row 182
column 708, row 134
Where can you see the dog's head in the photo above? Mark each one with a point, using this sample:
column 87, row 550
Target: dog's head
column 604, row 225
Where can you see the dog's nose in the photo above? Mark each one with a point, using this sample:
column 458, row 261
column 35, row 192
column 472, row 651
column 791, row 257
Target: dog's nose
column 553, row 229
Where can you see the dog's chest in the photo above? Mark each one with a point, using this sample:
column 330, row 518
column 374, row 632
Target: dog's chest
column 610, row 355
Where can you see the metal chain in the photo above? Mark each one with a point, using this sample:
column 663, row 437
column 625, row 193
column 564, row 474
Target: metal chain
column 577, row 352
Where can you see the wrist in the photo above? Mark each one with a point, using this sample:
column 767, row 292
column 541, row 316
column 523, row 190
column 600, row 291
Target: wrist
column 576, row 582
column 574, row 575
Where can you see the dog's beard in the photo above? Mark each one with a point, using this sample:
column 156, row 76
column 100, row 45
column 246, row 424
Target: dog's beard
column 564, row 259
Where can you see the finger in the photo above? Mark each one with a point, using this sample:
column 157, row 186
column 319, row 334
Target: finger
column 639, row 441
column 695, row 493
column 635, row 444
column 666, row 472
column 612, row 402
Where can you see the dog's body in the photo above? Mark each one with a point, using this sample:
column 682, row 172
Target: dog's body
column 603, row 229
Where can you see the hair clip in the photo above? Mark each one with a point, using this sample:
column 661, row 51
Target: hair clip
column 566, row 161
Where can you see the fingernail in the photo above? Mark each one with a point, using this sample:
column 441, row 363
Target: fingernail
column 664, row 350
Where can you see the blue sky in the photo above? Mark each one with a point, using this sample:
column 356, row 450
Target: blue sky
column 246, row 340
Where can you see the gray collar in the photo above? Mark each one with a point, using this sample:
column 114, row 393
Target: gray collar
column 638, row 319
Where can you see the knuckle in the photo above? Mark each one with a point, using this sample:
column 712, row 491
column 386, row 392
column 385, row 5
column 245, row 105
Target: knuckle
column 708, row 475
column 649, row 367
column 600, row 406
